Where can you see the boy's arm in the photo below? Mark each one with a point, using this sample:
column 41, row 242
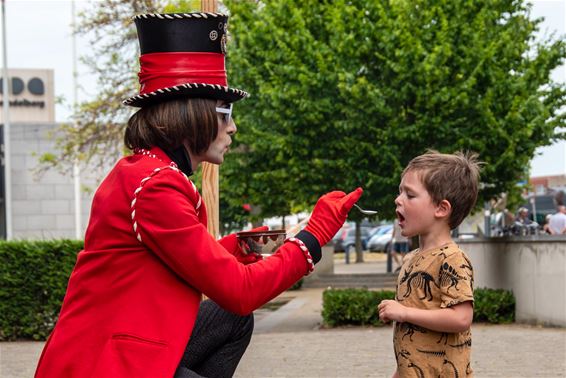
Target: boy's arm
column 457, row 318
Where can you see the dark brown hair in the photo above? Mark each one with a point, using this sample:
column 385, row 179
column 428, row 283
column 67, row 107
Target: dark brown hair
column 452, row 177
column 168, row 124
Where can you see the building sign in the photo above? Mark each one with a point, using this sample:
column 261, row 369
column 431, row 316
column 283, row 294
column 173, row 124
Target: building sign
column 31, row 96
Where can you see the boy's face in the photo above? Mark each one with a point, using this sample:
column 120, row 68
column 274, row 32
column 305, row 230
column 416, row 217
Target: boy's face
column 414, row 206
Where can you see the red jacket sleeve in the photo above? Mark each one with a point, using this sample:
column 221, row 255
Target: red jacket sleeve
column 168, row 225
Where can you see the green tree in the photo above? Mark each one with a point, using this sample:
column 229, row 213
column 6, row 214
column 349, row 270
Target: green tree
column 345, row 93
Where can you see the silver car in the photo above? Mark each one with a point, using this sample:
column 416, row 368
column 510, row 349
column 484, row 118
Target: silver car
column 381, row 240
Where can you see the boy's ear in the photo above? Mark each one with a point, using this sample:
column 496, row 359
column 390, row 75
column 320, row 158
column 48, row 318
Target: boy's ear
column 443, row 209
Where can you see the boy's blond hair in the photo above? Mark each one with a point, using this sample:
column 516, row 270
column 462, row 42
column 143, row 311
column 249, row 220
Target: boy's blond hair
column 451, row 177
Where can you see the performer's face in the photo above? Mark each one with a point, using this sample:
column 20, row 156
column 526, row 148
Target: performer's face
column 226, row 128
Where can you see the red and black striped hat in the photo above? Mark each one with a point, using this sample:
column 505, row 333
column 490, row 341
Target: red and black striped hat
column 182, row 54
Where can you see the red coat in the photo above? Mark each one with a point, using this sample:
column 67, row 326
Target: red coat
column 130, row 306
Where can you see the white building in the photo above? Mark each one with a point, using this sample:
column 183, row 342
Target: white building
column 43, row 206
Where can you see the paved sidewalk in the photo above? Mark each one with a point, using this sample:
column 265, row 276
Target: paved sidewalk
column 289, row 342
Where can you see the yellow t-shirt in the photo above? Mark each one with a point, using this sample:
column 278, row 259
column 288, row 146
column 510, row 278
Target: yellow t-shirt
column 433, row 279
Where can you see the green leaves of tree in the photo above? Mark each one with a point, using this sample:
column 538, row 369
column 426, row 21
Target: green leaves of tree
column 345, row 93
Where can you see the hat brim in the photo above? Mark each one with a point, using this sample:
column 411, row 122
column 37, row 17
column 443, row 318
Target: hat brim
column 194, row 90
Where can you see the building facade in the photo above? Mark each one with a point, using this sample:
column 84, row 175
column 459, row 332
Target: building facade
column 42, row 205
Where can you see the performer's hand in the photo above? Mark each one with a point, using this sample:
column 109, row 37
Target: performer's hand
column 330, row 213
column 391, row 310
column 232, row 245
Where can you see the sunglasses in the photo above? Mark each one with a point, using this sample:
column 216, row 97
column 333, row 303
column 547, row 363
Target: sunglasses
column 226, row 113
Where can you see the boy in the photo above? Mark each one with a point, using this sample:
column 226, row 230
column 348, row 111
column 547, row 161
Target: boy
column 433, row 308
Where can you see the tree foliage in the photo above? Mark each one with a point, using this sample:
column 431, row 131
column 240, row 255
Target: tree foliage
column 344, row 93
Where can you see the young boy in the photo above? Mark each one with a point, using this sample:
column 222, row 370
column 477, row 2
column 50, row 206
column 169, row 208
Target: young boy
column 433, row 308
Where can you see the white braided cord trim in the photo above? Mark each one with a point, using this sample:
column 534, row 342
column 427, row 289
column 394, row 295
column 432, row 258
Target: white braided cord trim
column 142, row 184
column 183, row 86
column 172, row 16
column 305, row 251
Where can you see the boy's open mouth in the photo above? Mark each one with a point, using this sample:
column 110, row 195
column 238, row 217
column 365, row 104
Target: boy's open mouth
column 401, row 218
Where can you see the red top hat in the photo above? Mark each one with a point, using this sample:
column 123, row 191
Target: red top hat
column 182, row 55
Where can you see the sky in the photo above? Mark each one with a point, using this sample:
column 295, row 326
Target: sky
column 39, row 36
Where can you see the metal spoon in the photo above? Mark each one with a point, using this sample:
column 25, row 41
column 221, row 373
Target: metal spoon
column 365, row 212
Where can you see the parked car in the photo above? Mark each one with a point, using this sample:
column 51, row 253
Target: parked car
column 345, row 239
column 381, row 240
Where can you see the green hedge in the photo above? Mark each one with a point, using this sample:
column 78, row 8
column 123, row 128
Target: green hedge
column 352, row 306
column 359, row 306
column 33, row 280
column 494, row 306
column 297, row 285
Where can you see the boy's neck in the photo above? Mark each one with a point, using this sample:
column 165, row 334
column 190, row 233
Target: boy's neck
column 435, row 238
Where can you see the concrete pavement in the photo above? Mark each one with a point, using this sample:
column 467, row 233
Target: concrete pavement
column 290, row 343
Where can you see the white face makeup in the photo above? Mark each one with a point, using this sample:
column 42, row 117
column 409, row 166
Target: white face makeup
column 219, row 146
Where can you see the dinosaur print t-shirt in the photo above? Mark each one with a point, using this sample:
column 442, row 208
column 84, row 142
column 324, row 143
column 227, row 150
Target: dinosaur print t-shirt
column 433, row 279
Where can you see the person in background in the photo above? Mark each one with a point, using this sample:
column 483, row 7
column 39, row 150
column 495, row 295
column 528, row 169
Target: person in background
column 134, row 303
column 523, row 216
column 433, row 306
column 546, row 225
column 399, row 244
column 557, row 222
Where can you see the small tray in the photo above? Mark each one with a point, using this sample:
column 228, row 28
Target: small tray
column 264, row 242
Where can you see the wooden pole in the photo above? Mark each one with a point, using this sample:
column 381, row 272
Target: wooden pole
column 210, row 192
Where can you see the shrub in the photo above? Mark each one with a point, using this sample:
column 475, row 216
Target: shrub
column 352, row 306
column 359, row 306
column 297, row 285
column 494, row 306
column 33, row 281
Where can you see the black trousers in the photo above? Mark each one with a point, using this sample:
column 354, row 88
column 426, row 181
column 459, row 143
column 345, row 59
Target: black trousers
column 217, row 344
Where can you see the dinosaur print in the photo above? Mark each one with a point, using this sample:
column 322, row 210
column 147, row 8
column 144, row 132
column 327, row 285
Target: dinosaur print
column 436, row 353
column 466, row 343
column 443, row 336
column 446, row 362
column 418, row 260
column 467, row 268
column 420, row 371
column 440, row 252
column 410, row 330
column 403, row 353
column 449, row 276
column 419, row 280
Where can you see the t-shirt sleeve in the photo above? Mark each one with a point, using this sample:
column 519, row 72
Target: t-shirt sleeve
column 456, row 277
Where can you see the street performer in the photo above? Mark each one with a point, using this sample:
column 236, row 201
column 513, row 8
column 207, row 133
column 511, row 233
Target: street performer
column 133, row 306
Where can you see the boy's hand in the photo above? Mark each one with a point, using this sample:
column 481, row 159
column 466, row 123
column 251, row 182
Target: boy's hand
column 391, row 310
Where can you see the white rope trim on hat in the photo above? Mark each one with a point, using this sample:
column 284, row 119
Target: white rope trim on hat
column 172, row 16
column 142, row 184
column 188, row 86
column 305, row 250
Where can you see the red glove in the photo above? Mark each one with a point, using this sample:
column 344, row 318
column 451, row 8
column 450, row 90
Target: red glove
column 330, row 213
column 232, row 245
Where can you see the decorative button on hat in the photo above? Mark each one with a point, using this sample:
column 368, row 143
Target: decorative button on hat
column 182, row 55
